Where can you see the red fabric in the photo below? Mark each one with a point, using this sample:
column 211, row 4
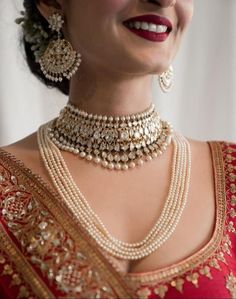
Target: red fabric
column 207, row 288
column 215, row 287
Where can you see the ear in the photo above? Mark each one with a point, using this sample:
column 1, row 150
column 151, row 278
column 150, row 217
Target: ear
column 47, row 7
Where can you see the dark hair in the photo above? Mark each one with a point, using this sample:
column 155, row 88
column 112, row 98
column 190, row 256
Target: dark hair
column 36, row 17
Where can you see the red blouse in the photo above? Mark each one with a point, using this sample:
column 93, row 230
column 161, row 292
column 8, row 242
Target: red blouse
column 45, row 254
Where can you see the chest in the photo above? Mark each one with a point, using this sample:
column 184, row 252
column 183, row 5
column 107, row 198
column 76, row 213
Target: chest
column 130, row 205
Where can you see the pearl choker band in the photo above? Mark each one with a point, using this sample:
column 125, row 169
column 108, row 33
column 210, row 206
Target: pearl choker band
column 118, row 143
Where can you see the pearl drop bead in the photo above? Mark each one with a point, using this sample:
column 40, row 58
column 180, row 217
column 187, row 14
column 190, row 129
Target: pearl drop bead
column 111, row 166
column 132, row 165
column 104, row 163
column 89, row 157
column 140, row 162
column 118, row 166
column 82, row 154
column 97, row 160
column 125, row 167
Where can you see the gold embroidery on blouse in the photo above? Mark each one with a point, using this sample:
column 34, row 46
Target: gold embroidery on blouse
column 214, row 263
column 233, row 200
column 161, row 291
column 206, row 271
column 144, row 293
column 62, row 260
column 16, row 279
column 210, row 256
column 216, row 250
column 178, row 284
column 231, row 284
column 8, row 249
column 193, row 278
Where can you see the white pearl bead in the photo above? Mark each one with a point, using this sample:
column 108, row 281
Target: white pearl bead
column 82, row 154
column 111, row 166
column 125, row 167
column 140, row 162
column 132, row 165
column 118, row 166
column 89, row 157
column 104, row 163
column 97, row 160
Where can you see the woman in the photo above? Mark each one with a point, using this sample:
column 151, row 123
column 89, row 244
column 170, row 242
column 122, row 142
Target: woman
column 107, row 201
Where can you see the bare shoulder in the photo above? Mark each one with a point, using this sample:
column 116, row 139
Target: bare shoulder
column 25, row 149
column 202, row 163
column 199, row 148
column 27, row 143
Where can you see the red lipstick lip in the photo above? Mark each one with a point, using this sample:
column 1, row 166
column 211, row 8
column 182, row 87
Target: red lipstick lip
column 158, row 20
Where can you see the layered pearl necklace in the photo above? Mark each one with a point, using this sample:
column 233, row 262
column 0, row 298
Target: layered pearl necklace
column 116, row 143
column 83, row 213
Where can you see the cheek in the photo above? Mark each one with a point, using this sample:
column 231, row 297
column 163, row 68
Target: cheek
column 93, row 13
column 100, row 9
column 109, row 7
column 86, row 17
column 185, row 13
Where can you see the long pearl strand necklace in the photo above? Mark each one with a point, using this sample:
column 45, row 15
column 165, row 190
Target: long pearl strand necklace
column 116, row 143
column 83, row 213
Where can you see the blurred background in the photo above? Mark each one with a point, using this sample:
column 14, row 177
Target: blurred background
column 202, row 104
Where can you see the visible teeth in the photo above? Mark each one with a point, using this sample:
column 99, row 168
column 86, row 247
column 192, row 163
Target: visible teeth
column 144, row 26
column 137, row 25
column 161, row 28
column 153, row 27
column 148, row 26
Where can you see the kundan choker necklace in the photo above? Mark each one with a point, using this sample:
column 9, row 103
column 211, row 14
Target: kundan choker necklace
column 118, row 143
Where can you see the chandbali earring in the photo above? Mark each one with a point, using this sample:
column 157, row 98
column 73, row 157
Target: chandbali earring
column 166, row 79
column 59, row 59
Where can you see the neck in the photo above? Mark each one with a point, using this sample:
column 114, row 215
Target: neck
column 110, row 94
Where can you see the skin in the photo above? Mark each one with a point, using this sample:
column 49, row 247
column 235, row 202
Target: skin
column 115, row 79
column 105, row 84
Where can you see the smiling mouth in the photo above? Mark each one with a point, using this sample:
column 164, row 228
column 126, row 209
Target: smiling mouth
column 149, row 31
column 151, row 27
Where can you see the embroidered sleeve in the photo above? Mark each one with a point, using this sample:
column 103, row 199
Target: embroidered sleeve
column 230, row 173
column 12, row 283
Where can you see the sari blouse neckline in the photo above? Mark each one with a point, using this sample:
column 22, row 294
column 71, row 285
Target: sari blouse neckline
column 203, row 259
